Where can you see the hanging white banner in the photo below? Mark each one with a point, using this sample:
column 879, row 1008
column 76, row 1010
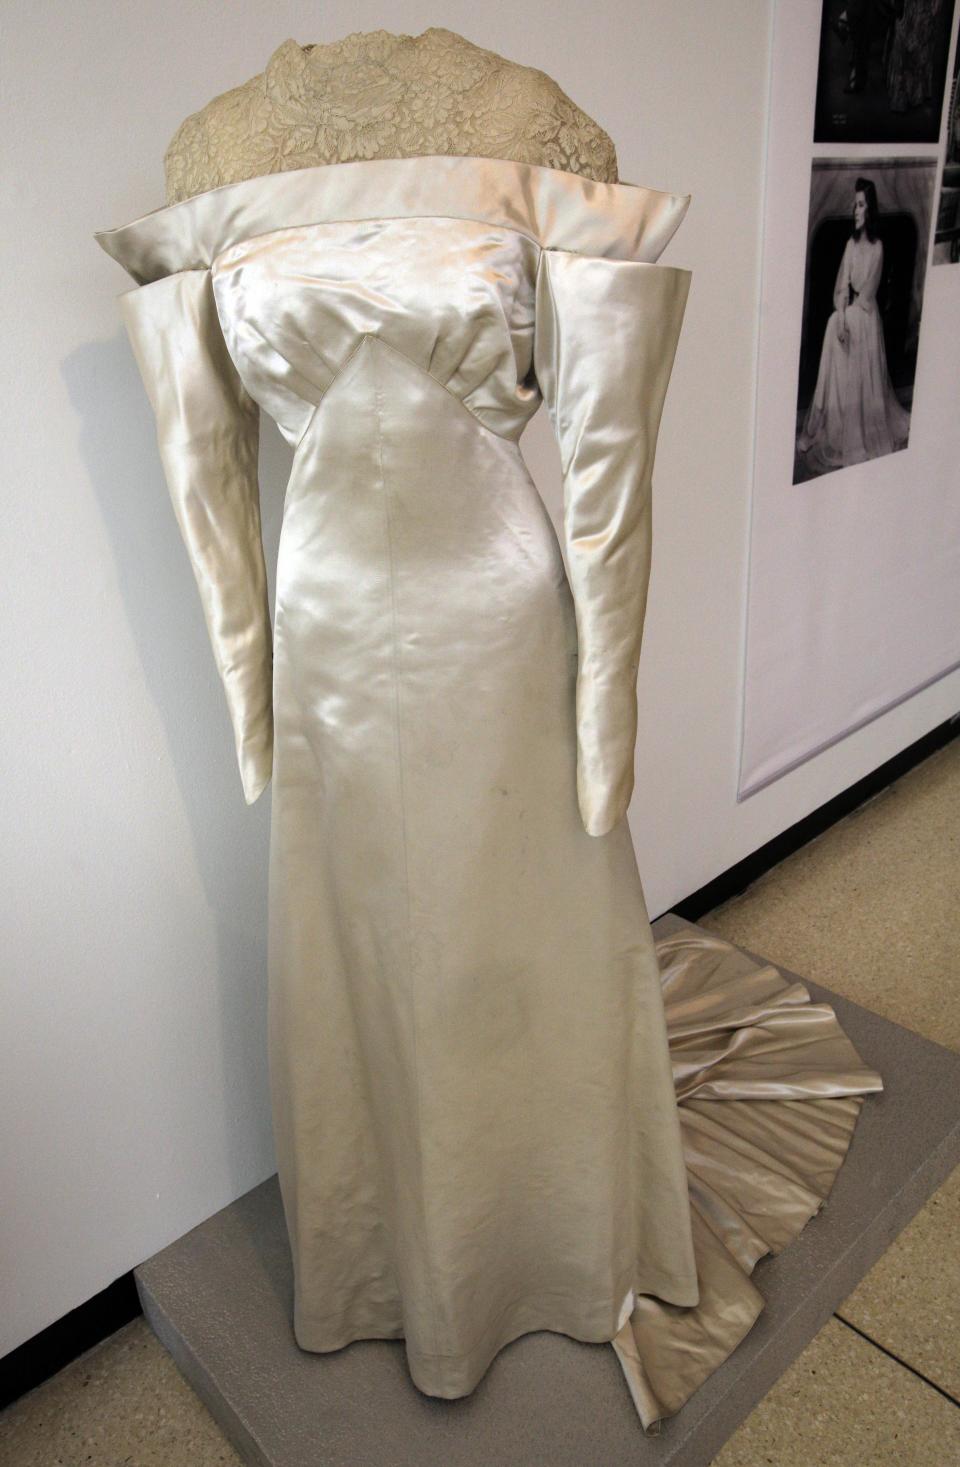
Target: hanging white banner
column 854, row 591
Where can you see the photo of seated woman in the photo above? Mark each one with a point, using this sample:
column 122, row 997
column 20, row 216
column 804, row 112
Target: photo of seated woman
column 866, row 262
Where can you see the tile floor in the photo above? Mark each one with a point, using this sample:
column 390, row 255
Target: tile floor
column 870, row 909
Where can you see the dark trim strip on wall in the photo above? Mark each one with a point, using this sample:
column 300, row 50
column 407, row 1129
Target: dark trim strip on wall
column 37, row 1359
column 63, row 1341
column 732, row 882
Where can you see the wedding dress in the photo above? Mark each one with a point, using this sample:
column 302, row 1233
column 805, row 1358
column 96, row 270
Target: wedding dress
column 475, row 1102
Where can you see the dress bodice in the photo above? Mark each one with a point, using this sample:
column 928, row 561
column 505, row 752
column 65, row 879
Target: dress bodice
column 436, row 256
column 383, row 293
column 454, row 296
column 861, row 268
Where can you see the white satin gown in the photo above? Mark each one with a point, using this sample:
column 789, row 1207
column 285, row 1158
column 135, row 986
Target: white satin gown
column 476, row 1122
column 854, row 414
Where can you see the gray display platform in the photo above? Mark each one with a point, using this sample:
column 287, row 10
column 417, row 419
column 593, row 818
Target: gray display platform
column 220, row 1300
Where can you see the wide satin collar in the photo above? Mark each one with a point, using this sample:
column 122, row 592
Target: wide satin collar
column 559, row 210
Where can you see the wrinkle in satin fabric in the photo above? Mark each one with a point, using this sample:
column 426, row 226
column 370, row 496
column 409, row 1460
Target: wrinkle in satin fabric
column 769, row 1091
column 556, row 209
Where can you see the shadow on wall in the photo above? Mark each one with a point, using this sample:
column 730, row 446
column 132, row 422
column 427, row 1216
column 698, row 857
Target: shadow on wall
column 165, row 621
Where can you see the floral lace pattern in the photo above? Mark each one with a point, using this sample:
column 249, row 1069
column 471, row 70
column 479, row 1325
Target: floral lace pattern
column 379, row 95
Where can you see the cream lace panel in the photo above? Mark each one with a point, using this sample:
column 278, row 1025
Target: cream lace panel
column 378, row 95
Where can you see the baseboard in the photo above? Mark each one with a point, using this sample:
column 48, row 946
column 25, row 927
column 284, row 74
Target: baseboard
column 737, row 878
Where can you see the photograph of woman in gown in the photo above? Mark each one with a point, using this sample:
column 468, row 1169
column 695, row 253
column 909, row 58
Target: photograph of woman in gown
column 854, row 414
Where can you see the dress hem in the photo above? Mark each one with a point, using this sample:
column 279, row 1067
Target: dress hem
column 454, row 1375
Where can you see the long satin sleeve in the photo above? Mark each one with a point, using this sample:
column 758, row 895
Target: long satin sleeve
column 605, row 339
column 208, row 432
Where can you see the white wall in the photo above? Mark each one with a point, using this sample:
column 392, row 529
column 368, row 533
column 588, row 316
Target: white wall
column 133, row 1084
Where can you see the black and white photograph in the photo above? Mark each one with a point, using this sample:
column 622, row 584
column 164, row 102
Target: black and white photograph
column 867, row 240
column 882, row 69
column 946, row 242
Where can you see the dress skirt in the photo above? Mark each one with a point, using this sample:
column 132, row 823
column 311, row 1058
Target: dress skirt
column 474, row 1108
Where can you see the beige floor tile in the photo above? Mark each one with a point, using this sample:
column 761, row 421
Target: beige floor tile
column 910, row 1300
column 843, row 1403
column 871, row 908
column 122, row 1404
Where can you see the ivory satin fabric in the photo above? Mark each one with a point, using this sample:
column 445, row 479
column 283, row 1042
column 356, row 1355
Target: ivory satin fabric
column 476, row 1123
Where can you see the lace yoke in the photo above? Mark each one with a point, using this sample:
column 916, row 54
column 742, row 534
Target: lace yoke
column 379, row 95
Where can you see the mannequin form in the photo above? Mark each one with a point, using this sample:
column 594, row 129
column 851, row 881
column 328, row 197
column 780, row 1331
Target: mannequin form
column 378, row 95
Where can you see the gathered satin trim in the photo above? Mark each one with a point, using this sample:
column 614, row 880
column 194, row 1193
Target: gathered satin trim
column 559, row 210
column 769, row 1090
